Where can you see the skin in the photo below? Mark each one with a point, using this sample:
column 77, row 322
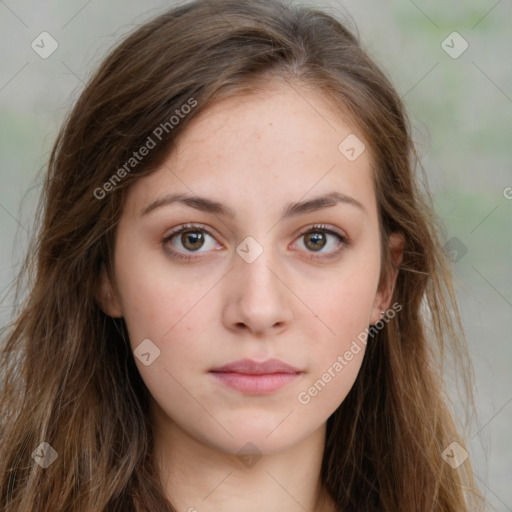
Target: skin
column 253, row 154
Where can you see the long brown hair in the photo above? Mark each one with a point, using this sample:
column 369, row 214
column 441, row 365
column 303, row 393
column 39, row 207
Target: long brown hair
column 69, row 378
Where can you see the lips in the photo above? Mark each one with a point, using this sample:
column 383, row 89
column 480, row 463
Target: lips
column 256, row 378
column 250, row 367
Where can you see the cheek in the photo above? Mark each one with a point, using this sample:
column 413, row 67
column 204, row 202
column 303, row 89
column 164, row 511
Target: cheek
column 165, row 306
column 336, row 357
column 154, row 298
column 337, row 332
column 170, row 313
column 343, row 301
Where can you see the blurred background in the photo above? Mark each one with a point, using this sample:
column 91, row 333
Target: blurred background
column 450, row 62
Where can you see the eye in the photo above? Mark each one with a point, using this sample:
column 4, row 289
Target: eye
column 189, row 237
column 317, row 237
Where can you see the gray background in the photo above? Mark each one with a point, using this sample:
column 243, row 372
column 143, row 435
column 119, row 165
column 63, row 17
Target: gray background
column 460, row 108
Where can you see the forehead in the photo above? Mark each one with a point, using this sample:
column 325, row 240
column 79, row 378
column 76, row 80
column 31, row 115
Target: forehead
column 282, row 141
column 287, row 119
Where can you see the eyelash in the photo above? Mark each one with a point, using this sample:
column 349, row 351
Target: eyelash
column 194, row 227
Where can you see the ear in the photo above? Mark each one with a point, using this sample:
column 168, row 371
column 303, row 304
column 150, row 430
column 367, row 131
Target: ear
column 385, row 294
column 106, row 296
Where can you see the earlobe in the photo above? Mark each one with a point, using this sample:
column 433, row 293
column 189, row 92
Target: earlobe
column 384, row 297
column 106, row 296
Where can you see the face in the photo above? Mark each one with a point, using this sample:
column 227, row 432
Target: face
column 260, row 273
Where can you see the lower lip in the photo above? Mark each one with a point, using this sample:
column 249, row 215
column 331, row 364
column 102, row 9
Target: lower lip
column 255, row 384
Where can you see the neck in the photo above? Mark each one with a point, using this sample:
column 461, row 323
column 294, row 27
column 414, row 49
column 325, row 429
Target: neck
column 201, row 478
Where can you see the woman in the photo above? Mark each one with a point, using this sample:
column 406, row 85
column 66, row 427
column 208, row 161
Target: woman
column 239, row 296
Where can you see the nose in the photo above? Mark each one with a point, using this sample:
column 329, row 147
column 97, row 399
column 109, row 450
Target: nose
column 258, row 297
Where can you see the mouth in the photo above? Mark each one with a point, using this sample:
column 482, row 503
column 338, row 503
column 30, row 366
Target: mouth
column 256, row 378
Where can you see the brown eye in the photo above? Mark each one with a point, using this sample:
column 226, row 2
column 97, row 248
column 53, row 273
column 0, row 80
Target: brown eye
column 183, row 242
column 192, row 240
column 315, row 240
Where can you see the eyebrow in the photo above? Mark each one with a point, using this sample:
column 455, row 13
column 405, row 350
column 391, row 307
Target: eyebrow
column 292, row 209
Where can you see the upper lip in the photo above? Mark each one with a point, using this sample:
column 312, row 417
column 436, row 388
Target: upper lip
column 248, row 366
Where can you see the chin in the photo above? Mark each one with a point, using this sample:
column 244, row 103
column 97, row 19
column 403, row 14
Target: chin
column 266, row 436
